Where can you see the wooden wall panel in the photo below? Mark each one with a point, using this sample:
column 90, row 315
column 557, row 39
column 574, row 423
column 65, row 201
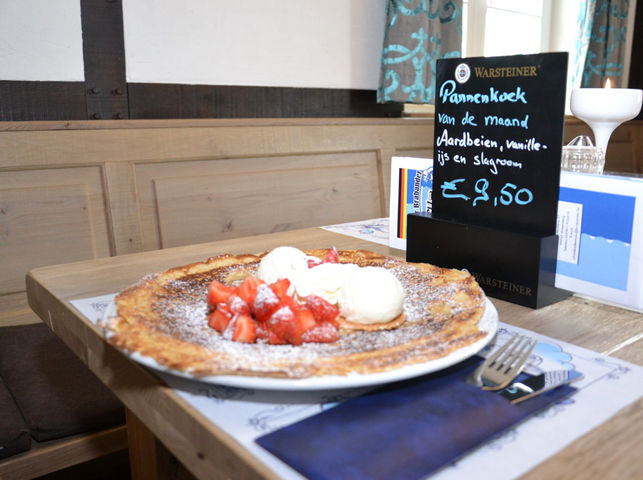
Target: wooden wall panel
column 48, row 217
column 199, row 202
column 91, row 189
column 76, row 190
column 149, row 141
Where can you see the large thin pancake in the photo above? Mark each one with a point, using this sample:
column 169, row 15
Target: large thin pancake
column 164, row 316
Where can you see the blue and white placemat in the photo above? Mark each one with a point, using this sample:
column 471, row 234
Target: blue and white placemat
column 609, row 385
column 373, row 230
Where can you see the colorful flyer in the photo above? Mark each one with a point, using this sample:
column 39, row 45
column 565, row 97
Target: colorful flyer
column 411, row 192
column 600, row 228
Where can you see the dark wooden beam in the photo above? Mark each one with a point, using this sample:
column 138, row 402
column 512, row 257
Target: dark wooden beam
column 212, row 101
column 104, row 56
column 23, row 101
column 106, row 95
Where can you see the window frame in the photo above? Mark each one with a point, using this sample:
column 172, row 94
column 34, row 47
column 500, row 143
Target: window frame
column 473, row 25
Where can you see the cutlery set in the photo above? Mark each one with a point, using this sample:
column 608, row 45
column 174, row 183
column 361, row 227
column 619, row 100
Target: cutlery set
column 504, row 366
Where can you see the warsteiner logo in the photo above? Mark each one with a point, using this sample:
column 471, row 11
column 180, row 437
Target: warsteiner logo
column 462, row 73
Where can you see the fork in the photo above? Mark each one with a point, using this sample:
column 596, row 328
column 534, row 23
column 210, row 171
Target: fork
column 504, row 365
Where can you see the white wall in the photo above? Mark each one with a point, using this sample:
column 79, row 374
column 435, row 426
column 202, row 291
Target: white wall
column 41, row 40
column 286, row 43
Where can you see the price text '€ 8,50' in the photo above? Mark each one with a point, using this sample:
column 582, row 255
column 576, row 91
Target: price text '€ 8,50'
column 509, row 194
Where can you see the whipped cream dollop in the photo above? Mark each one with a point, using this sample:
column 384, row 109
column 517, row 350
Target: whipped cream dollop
column 364, row 294
column 326, row 280
column 371, row 295
column 282, row 262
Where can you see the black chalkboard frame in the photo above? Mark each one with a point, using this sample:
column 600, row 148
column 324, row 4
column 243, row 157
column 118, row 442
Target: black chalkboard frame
column 509, row 246
column 498, row 139
column 512, row 266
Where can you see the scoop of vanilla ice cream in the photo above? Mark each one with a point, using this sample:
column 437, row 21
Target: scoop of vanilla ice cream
column 282, row 262
column 325, row 280
column 363, row 294
column 371, row 295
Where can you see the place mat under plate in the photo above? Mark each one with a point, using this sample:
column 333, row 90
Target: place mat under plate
column 404, row 430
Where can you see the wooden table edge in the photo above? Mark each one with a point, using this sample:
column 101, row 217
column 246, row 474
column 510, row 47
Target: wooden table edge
column 227, row 450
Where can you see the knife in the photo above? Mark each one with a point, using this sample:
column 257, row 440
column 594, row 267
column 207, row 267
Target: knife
column 532, row 386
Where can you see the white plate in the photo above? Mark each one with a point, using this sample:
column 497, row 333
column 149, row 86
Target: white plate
column 488, row 324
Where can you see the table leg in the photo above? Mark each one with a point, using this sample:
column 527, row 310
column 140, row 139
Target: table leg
column 149, row 459
column 143, row 453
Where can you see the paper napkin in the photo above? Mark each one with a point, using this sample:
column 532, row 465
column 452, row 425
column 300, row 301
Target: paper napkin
column 404, row 430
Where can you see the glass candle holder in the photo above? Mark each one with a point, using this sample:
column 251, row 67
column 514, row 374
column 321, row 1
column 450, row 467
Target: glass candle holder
column 580, row 155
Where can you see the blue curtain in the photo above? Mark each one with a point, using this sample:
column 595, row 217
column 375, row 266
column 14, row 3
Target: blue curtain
column 606, row 51
column 418, row 32
column 584, row 22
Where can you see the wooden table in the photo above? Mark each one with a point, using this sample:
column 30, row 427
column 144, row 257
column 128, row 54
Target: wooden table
column 155, row 411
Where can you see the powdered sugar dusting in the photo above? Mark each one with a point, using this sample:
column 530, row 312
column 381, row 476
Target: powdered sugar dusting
column 182, row 304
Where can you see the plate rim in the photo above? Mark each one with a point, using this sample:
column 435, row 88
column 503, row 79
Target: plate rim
column 488, row 324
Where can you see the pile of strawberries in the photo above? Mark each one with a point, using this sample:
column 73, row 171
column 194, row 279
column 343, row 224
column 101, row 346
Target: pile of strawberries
column 258, row 312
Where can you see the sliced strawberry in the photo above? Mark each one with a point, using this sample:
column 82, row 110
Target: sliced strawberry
column 224, row 308
column 280, row 287
column 219, row 292
column 266, row 302
column 323, row 311
column 248, row 289
column 305, row 318
column 313, row 262
column 263, row 333
column 274, row 339
column 290, row 302
column 236, row 305
column 332, row 256
column 245, row 330
column 219, row 320
column 321, row 333
column 280, row 322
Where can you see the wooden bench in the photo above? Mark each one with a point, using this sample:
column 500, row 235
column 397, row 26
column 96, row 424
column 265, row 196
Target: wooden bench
column 73, row 191
column 54, row 412
column 78, row 190
column 44, row 458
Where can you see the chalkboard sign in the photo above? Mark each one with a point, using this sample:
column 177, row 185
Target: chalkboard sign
column 498, row 139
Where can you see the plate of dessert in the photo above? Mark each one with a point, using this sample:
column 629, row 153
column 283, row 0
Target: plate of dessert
column 291, row 319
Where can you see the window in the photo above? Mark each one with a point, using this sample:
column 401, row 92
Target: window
column 500, row 27
column 505, row 27
column 510, row 27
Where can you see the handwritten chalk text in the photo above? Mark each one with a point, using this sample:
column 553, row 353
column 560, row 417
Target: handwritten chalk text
column 447, row 95
column 530, row 145
column 509, row 193
column 465, row 140
column 494, row 163
column 496, row 121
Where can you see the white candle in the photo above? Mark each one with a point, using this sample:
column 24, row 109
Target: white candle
column 604, row 109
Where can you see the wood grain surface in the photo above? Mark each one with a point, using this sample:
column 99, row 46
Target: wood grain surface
column 73, row 191
column 76, row 190
column 609, row 451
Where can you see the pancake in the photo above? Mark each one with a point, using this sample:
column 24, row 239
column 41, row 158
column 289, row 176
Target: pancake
column 164, row 317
